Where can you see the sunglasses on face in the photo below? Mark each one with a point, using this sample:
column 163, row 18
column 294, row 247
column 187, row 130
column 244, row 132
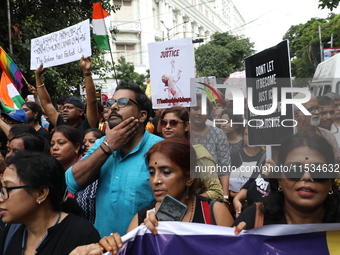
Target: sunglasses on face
column 172, row 123
column 122, row 102
column 296, row 172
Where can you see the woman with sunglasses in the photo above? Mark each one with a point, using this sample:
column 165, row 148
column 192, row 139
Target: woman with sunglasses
column 174, row 122
column 300, row 194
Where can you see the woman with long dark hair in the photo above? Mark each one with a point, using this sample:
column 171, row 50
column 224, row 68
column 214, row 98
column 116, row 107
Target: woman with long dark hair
column 300, row 193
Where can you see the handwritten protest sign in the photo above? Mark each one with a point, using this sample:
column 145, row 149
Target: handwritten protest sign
column 171, row 67
column 61, row 47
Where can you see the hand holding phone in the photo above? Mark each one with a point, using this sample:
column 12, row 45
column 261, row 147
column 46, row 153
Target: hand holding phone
column 171, row 209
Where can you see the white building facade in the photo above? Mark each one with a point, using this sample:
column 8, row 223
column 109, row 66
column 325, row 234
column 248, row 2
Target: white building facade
column 140, row 22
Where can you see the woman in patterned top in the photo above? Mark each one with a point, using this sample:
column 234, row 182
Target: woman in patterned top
column 213, row 139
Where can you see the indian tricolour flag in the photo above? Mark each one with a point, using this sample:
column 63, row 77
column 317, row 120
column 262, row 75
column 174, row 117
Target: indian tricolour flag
column 9, row 95
column 99, row 28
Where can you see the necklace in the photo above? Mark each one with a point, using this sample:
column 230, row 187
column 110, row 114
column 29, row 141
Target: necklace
column 23, row 243
column 192, row 209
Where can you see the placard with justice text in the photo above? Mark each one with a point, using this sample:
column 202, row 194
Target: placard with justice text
column 171, row 67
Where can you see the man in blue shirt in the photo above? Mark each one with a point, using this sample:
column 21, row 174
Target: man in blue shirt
column 118, row 161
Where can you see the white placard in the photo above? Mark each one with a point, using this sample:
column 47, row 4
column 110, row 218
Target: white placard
column 171, row 67
column 61, row 47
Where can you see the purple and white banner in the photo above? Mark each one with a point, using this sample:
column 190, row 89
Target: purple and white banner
column 182, row 238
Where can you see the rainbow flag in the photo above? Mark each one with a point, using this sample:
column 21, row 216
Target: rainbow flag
column 11, row 69
column 184, row 238
column 9, row 95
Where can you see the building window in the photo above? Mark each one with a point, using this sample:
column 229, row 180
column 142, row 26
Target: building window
column 126, row 12
column 126, row 50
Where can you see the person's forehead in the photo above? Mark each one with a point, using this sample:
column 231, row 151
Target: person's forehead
column 124, row 93
column 17, row 143
column 69, row 105
column 312, row 102
column 328, row 107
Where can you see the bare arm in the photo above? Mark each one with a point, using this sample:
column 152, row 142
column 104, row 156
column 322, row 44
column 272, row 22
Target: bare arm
column 133, row 223
column 46, row 102
column 86, row 170
column 222, row 215
column 238, row 199
column 4, row 127
column 91, row 100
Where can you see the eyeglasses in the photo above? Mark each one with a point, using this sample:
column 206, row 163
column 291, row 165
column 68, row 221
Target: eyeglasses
column 172, row 123
column 314, row 108
column 296, row 172
column 122, row 102
column 337, row 105
column 4, row 191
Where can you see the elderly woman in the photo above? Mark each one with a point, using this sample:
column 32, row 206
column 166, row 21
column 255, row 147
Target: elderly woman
column 300, row 195
column 32, row 193
column 169, row 163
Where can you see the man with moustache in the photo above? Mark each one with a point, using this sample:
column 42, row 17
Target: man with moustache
column 327, row 112
column 73, row 110
column 117, row 161
column 335, row 129
column 311, row 122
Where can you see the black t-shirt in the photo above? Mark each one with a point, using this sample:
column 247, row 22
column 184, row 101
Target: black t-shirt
column 248, row 216
column 44, row 133
column 62, row 238
column 258, row 188
column 245, row 166
column 81, row 127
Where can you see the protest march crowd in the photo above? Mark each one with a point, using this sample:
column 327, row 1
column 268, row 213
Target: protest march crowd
column 76, row 176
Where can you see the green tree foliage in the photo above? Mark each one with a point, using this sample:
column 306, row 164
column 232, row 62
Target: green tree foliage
column 126, row 72
column 304, row 43
column 36, row 18
column 223, row 55
column 329, row 4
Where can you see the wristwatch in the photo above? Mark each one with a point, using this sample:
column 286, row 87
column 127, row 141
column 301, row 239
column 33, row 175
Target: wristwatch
column 226, row 197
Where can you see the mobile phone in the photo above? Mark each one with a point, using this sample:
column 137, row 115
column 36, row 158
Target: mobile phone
column 171, row 209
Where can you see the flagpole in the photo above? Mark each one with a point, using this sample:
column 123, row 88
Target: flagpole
column 113, row 63
column 25, row 80
column 9, row 28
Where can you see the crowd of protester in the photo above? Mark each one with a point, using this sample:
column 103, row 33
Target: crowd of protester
column 97, row 171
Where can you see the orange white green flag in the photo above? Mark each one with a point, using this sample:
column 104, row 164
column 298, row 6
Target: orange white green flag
column 9, row 95
column 100, row 34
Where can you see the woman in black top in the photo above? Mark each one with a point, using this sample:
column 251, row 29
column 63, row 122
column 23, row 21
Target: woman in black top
column 305, row 190
column 33, row 194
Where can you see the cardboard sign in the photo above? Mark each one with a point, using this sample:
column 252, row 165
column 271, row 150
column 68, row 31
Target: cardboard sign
column 171, row 67
column 265, row 71
column 61, row 47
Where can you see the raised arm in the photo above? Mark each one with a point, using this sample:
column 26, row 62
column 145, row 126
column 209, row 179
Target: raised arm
column 45, row 100
column 91, row 100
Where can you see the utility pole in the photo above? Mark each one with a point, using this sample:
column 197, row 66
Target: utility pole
column 168, row 29
column 9, row 28
column 321, row 47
